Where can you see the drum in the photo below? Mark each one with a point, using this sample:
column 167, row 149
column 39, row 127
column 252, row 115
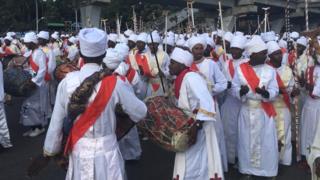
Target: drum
column 168, row 126
column 17, row 82
column 63, row 69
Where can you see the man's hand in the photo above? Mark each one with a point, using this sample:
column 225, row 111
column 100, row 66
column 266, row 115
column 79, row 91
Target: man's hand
column 244, row 90
column 263, row 92
column 229, row 85
column 317, row 166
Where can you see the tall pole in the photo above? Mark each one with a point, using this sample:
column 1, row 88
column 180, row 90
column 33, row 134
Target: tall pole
column 76, row 14
column 37, row 16
column 307, row 15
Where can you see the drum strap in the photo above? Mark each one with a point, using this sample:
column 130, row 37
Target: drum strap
column 92, row 112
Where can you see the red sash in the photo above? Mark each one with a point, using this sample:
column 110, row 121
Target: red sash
column 143, row 62
column 194, row 67
column 7, row 51
column 35, row 68
column 292, row 58
column 92, row 112
column 214, row 56
column 253, row 81
column 231, row 68
column 178, row 82
column 283, row 50
column 285, row 94
column 80, row 62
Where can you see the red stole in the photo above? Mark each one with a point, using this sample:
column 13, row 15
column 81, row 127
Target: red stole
column 214, row 56
column 178, row 82
column 283, row 50
column 231, row 68
column 142, row 61
column 292, row 58
column 253, row 82
column 92, row 112
column 35, row 68
column 80, row 62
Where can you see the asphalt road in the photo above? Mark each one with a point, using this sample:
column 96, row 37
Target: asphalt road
column 155, row 163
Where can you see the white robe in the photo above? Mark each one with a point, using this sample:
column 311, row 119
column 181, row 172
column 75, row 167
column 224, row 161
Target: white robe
column 283, row 117
column 34, row 108
column 216, row 83
column 257, row 136
column 314, row 152
column 310, row 115
column 202, row 160
column 96, row 155
column 229, row 114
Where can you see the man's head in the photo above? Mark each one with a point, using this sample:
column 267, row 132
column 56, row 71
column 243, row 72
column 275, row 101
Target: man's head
column 302, row 43
column 197, row 45
column 141, row 41
column 257, row 50
column 131, row 44
column 141, row 45
column 236, row 52
column 153, row 42
column 180, row 60
column 153, row 47
column 42, row 42
column 31, row 40
column 92, row 45
column 274, row 53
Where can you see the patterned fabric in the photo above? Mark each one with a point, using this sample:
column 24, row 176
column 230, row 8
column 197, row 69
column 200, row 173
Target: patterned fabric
column 167, row 125
column 4, row 132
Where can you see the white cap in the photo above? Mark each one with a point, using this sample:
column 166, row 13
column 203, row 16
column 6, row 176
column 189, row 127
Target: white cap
column 55, row 36
column 294, row 35
column 142, row 37
column 11, row 34
column 112, row 59
column 169, row 40
column 122, row 39
column 302, row 41
column 122, row 49
column 210, row 42
column 269, row 36
column 238, row 42
column 8, row 38
column 255, row 45
column 238, row 33
column 113, row 37
column 30, row 37
column 73, row 40
column 182, row 56
column 93, row 42
column 133, row 37
column 283, row 43
column 128, row 32
column 180, row 42
column 43, row 35
column 155, row 37
column 272, row 47
column 228, row 36
column 197, row 40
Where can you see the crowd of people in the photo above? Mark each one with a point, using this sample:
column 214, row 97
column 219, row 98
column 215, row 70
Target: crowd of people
column 248, row 92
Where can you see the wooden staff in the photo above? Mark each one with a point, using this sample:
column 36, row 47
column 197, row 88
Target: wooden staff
column 118, row 25
column 166, row 29
column 307, row 15
column 134, row 19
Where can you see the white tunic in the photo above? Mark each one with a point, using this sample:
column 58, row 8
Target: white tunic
column 310, row 115
column 314, row 152
column 96, row 155
column 257, row 136
column 216, row 83
column 202, row 160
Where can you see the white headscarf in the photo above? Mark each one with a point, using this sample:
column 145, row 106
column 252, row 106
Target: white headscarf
column 197, row 40
column 302, row 41
column 228, row 36
column 272, row 47
column 155, row 37
column 30, row 37
column 93, row 42
column 133, row 37
column 238, row 42
column 113, row 37
column 255, row 45
column 43, row 35
column 112, row 59
column 182, row 56
column 142, row 37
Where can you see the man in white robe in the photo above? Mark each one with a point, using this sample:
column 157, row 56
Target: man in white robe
column 257, row 136
column 96, row 154
column 216, row 83
column 202, row 160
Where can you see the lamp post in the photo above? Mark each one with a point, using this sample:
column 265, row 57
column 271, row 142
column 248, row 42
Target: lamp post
column 37, row 14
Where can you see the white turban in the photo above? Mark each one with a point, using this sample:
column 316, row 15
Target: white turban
column 180, row 42
column 122, row 49
column 228, row 36
column 122, row 39
column 142, row 37
column 30, row 37
column 128, row 32
column 220, row 33
column 255, row 45
column 11, row 34
column 8, row 38
column 113, row 37
column 43, row 35
column 182, row 56
column 269, row 36
column 238, row 42
column 73, row 40
column 282, row 43
column 302, row 41
column 169, row 40
column 272, row 47
column 155, row 37
column 112, row 59
column 93, row 42
column 197, row 40
column 238, row 33
column 294, row 35
column 55, row 36
column 210, row 42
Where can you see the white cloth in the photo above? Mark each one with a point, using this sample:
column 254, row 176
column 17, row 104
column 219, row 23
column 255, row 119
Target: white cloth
column 55, row 36
column 257, row 136
column 93, row 42
column 302, row 41
column 128, row 32
column 155, row 38
column 228, row 36
column 169, row 40
column 143, row 37
column 182, row 56
column 314, row 152
column 255, row 45
column 112, row 59
column 310, row 115
column 133, row 37
column 238, row 42
column 96, row 155
column 73, row 52
column 113, row 37
column 202, row 160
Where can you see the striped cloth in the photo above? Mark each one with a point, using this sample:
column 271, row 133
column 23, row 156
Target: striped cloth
column 4, row 132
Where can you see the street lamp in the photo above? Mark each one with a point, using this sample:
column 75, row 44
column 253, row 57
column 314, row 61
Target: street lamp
column 37, row 15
